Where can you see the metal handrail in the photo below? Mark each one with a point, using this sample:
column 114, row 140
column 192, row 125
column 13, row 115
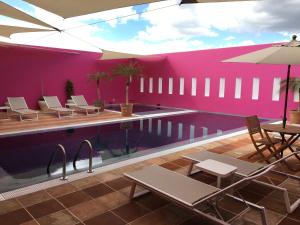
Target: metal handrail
column 90, row 148
column 64, row 172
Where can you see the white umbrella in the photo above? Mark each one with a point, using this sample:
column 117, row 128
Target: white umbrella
column 287, row 54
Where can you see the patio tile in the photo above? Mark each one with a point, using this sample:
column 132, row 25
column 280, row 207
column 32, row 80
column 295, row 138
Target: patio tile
column 130, row 211
column 105, row 219
column 44, row 208
column 74, row 198
column 295, row 215
column 31, row 222
column 289, row 221
column 88, row 209
column 112, row 200
column 196, row 220
column 9, row 206
column 170, row 166
column 85, row 183
column 98, row 190
column 118, row 183
column 104, row 177
column 273, row 217
column 61, row 190
column 273, row 204
column 58, row 218
column 168, row 215
column 34, row 198
column 151, row 201
column 182, row 162
column 15, row 217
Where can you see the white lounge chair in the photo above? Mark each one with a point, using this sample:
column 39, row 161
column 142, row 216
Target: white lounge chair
column 19, row 106
column 188, row 192
column 246, row 169
column 53, row 104
column 82, row 105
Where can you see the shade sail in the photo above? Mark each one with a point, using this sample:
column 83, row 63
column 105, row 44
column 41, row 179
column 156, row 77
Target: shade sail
column 6, row 30
column 288, row 54
column 107, row 55
column 72, row 8
column 208, row 1
column 9, row 11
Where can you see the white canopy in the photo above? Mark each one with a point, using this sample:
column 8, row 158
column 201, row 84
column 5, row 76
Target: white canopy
column 72, row 8
column 6, row 30
column 9, row 11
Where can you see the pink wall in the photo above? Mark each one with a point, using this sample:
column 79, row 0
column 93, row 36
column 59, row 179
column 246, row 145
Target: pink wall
column 207, row 63
column 23, row 69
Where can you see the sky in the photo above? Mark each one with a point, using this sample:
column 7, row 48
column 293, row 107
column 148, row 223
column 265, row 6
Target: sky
column 165, row 26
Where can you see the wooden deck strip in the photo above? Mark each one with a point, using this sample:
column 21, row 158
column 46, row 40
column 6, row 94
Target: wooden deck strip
column 51, row 120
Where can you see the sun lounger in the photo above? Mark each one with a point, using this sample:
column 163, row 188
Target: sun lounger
column 246, row 169
column 188, row 192
column 19, row 106
column 81, row 104
column 53, row 104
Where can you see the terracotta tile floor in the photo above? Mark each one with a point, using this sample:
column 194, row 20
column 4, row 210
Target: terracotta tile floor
column 103, row 198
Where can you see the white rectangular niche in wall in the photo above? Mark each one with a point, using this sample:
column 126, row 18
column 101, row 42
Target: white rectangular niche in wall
column 142, row 84
column 207, row 87
column 180, row 127
column 194, row 86
column 255, row 88
column 150, row 84
column 276, row 89
column 170, row 91
column 181, row 86
column 160, row 82
column 238, row 88
column 222, row 88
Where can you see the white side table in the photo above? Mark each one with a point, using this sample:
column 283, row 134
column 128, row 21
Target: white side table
column 6, row 108
column 70, row 105
column 213, row 167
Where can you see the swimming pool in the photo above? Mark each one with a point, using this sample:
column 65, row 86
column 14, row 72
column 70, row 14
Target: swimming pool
column 24, row 158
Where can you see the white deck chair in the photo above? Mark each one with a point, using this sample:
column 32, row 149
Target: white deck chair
column 82, row 105
column 246, row 169
column 53, row 104
column 19, row 106
column 188, row 192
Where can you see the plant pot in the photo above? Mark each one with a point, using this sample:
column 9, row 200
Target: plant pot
column 43, row 106
column 295, row 116
column 126, row 110
column 100, row 104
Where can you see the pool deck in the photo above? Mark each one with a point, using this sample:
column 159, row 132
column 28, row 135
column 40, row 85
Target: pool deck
column 48, row 121
column 102, row 199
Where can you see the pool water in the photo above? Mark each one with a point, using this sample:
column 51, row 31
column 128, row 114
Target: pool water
column 24, row 159
column 141, row 109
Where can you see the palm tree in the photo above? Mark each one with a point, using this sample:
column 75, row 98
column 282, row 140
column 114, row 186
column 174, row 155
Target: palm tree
column 97, row 77
column 294, row 85
column 129, row 71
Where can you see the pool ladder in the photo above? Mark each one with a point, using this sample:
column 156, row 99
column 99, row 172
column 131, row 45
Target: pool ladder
column 61, row 148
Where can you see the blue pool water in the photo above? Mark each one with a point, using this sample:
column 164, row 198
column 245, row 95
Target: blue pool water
column 24, row 159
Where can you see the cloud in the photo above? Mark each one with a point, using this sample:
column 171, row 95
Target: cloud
column 229, row 38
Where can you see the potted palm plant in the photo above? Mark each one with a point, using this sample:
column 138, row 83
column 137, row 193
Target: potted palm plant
column 294, row 85
column 129, row 71
column 69, row 88
column 97, row 77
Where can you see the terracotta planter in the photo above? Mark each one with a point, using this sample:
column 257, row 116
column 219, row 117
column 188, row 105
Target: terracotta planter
column 295, row 116
column 43, row 106
column 126, row 110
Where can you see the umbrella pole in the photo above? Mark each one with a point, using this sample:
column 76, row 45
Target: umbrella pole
column 286, row 95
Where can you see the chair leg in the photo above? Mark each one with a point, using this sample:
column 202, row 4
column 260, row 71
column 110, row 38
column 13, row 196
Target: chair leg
column 190, row 169
column 132, row 191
